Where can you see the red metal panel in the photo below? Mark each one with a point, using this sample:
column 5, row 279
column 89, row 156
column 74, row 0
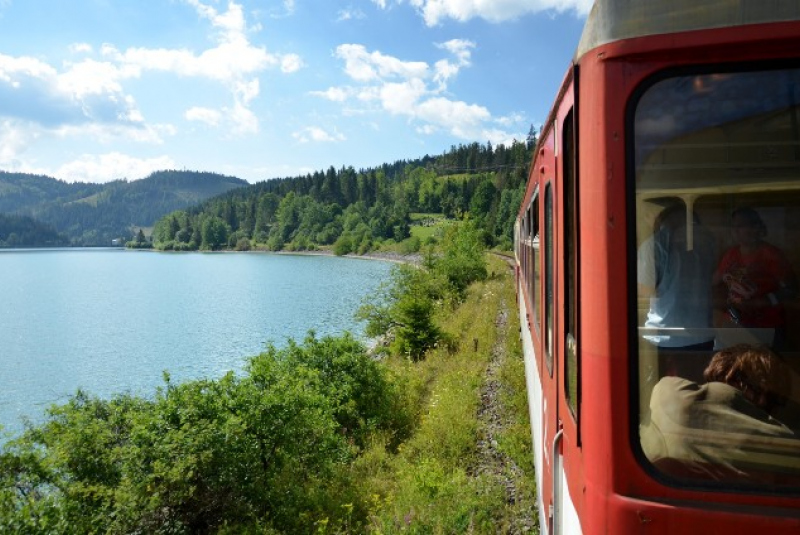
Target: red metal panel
column 609, row 75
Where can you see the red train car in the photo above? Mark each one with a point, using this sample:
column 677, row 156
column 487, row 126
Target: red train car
column 657, row 249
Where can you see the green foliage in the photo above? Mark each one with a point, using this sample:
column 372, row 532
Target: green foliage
column 411, row 245
column 313, row 437
column 21, row 231
column 434, row 483
column 364, row 398
column 94, row 214
column 262, row 449
column 355, row 211
column 462, row 258
column 214, row 233
column 404, row 309
column 139, row 242
column 343, row 245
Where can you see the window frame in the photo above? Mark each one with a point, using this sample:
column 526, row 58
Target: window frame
column 631, row 107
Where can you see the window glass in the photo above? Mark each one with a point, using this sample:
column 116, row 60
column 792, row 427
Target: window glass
column 535, row 280
column 717, row 215
column 571, row 267
column 549, row 279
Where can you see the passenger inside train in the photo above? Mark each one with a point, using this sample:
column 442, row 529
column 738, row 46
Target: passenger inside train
column 719, row 171
column 717, row 430
column 677, row 282
column 757, row 278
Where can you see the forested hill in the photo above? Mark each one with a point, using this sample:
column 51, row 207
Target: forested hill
column 357, row 211
column 22, row 231
column 94, row 214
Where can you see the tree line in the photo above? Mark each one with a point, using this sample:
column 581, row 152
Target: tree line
column 357, row 211
column 95, row 214
column 22, row 231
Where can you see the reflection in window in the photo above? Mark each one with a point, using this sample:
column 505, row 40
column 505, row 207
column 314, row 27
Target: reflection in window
column 571, row 266
column 535, row 280
column 717, row 198
column 549, row 279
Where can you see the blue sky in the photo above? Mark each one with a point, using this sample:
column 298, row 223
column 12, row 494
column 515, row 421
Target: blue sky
column 96, row 90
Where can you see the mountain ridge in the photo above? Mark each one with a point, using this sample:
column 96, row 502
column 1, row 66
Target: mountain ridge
column 90, row 214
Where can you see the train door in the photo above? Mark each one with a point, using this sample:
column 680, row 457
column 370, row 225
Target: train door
column 560, row 330
column 568, row 447
column 559, row 346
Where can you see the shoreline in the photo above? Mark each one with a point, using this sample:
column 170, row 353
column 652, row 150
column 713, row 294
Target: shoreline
column 386, row 256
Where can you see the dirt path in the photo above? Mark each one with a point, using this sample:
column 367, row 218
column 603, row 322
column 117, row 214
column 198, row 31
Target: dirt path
column 491, row 461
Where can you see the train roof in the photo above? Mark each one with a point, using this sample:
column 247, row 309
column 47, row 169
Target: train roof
column 614, row 20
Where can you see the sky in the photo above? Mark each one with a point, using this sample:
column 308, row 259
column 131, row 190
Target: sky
column 99, row 90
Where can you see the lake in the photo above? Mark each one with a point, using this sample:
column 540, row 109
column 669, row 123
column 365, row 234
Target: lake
column 111, row 321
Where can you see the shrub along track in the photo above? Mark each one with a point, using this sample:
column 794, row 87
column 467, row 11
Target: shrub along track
column 492, row 462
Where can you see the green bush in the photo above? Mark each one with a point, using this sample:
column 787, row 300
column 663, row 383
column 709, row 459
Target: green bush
column 242, row 244
column 343, row 245
column 405, row 308
column 462, row 259
column 267, row 449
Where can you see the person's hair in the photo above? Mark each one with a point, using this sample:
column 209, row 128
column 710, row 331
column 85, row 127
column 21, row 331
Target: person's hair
column 751, row 217
column 759, row 373
column 673, row 216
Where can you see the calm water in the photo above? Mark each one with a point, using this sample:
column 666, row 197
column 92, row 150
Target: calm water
column 112, row 321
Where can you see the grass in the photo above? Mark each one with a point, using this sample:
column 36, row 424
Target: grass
column 429, row 484
column 426, row 225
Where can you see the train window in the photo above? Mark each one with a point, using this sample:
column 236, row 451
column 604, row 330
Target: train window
column 549, row 279
column 571, row 266
column 716, row 196
column 535, row 279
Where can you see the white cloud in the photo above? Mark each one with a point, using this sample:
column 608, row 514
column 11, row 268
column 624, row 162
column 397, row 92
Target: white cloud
column 230, row 23
column 435, row 11
column 243, row 120
column 227, row 62
column 510, row 120
column 402, row 98
column 412, row 89
column 350, row 14
column 317, row 134
column 364, row 66
column 291, row 63
column 203, row 115
column 89, row 91
column 81, row 48
column 237, row 120
column 246, row 91
column 335, row 94
column 460, row 118
column 499, row 136
column 15, row 138
column 380, row 3
column 462, row 50
column 91, row 77
column 107, row 133
column 11, row 67
column 234, row 62
column 287, row 10
column 88, row 97
column 111, row 166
